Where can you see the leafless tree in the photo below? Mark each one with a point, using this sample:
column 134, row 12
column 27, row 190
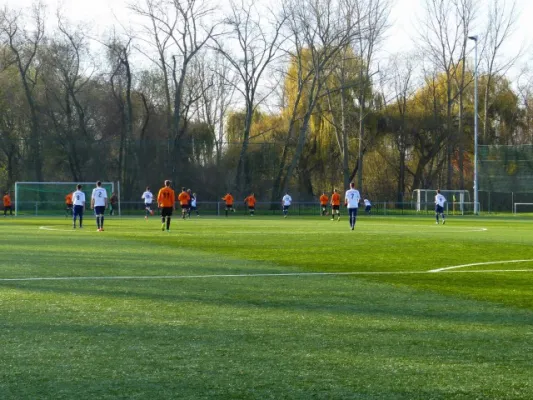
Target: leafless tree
column 256, row 46
column 502, row 16
column 24, row 45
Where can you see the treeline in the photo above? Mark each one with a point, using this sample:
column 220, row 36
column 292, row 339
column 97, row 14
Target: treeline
column 252, row 99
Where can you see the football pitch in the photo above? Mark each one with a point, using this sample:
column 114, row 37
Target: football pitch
column 267, row 308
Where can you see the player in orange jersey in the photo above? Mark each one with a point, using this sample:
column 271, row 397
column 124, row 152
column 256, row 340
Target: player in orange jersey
column 250, row 202
column 324, row 203
column 335, row 205
column 184, row 199
column 228, row 199
column 7, row 204
column 166, row 200
column 69, row 205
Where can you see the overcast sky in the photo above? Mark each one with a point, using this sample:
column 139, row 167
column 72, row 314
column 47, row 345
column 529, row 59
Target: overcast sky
column 100, row 15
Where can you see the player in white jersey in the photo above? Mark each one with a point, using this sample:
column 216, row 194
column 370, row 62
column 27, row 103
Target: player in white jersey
column 286, row 203
column 148, row 197
column 99, row 204
column 351, row 200
column 439, row 207
column 78, row 205
column 368, row 206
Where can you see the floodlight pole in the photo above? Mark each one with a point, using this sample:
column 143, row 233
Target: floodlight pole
column 476, row 210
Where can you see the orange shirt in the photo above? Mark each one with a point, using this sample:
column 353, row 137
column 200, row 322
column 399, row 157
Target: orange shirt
column 184, row 198
column 7, row 201
column 324, row 199
column 335, row 199
column 250, row 200
column 166, row 197
column 228, row 199
column 68, row 199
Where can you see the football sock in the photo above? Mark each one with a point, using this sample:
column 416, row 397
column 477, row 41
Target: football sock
column 168, row 223
column 98, row 221
column 102, row 222
column 81, row 220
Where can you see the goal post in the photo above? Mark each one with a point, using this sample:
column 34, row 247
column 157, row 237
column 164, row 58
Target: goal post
column 48, row 198
column 523, row 207
column 457, row 201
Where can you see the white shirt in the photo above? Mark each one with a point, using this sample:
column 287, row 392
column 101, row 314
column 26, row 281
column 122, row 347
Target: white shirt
column 352, row 198
column 193, row 201
column 367, row 202
column 440, row 200
column 287, row 200
column 78, row 198
column 99, row 196
column 147, row 196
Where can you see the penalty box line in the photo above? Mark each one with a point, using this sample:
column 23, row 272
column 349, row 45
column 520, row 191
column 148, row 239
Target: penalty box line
column 266, row 275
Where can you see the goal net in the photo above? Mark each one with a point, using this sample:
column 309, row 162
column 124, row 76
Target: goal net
column 457, row 201
column 48, row 198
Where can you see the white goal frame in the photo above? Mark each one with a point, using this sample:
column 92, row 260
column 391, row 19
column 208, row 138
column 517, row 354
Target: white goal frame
column 520, row 204
column 71, row 184
column 423, row 197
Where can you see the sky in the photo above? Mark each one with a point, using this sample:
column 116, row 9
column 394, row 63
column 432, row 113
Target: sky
column 100, row 15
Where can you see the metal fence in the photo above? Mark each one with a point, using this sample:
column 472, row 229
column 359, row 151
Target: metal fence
column 214, row 208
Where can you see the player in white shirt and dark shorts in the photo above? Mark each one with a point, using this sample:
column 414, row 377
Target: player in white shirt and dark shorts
column 286, row 203
column 99, row 204
column 439, row 207
column 351, row 200
column 148, row 197
column 78, row 202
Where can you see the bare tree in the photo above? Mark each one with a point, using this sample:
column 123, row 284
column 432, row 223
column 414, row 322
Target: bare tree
column 319, row 32
column 24, row 46
column 257, row 48
column 501, row 20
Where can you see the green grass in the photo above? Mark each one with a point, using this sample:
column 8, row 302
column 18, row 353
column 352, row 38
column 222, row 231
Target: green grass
column 197, row 331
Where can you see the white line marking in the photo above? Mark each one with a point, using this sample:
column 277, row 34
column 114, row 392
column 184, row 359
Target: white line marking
column 477, row 264
column 295, row 274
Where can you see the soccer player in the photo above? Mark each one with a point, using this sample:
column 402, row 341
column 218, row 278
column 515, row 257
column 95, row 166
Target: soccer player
column 113, row 201
column 166, row 199
column 79, row 206
column 148, row 197
column 250, row 202
column 324, row 203
column 228, row 198
column 99, row 204
column 68, row 205
column 194, row 205
column 368, row 206
column 189, row 204
column 351, row 200
column 439, row 207
column 335, row 205
column 286, row 203
column 7, row 205
column 184, row 198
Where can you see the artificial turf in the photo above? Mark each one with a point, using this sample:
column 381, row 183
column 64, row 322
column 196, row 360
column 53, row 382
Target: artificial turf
column 247, row 308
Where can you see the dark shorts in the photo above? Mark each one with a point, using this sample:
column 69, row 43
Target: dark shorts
column 147, row 205
column 166, row 211
column 78, row 210
column 8, row 208
column 323, row 205
column 99, row 210
column 439, row 209
column 69, row 206
column 184, row 206
column 353, row 211
column 193, row 208
column 285, row 208
column 251, row 208
column 229, row 206
column 367, row 208
column 335, row 207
